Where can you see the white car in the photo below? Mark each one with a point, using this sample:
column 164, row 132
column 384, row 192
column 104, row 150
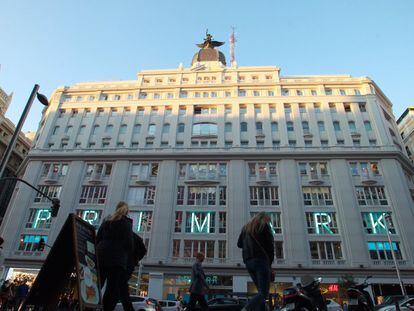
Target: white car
column 170, row 305
column 405, row 305
column 141, row 304
column 333, row 305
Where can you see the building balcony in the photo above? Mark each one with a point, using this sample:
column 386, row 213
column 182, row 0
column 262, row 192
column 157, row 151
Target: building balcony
column 315, row 179
column 370, row 180
column 51, row 178
column 263, row 180
column 202, row 179
column 141, row 180
column 95, row 179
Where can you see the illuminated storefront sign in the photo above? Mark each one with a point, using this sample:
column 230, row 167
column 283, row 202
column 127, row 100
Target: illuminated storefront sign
column 322, row 223
column 198, row 224
column 42, row 216
column 90, row 216
column 377, row 222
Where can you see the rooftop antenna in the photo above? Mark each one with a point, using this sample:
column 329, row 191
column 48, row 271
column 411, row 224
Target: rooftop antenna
column 232, row 47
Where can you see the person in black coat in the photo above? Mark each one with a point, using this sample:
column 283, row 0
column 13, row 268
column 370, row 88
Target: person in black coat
column 114, row 243
column 134, row 256
column 256, row 240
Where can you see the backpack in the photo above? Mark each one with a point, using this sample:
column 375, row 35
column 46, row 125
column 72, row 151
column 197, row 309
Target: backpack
column 139, row 248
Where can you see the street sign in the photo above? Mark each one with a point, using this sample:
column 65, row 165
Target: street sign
column 70, row 272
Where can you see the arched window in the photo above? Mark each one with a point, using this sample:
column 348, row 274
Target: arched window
column 275, row 127
column 181, row 128
column 95, row 129
column 166, row 128
column 69, row 129
column 123, row 129
column 109, row 128
column 243, row 127
column 227, row 127
column 137, row 128
column 367, row 125
column 205, row 129
column 151, row 129
column 259, row 126
column 305, row 126
column 289, row 126
column 336, row 125
column 352, row 126
column 55, row 130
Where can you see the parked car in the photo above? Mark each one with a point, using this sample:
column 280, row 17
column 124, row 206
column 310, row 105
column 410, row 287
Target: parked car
column 405, row 305
column 390, row 300
column 142, row 304
column 170, row 305
column 332, row 305
column 224, row 304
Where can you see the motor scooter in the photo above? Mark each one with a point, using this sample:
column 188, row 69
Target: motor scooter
column 304, row 298
column 358, row 298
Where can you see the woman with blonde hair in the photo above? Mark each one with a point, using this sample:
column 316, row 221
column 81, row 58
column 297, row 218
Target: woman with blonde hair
column 114, row 244
column 256, row 240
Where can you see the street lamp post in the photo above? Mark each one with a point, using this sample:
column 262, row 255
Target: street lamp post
column 12, row 143
column 387, row 217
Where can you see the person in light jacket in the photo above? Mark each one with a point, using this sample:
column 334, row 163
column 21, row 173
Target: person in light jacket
column 256, row 241
column 198, row 287
column 114, row 243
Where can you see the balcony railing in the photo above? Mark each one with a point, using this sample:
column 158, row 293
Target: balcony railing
column 385, row 262
column 328, row 262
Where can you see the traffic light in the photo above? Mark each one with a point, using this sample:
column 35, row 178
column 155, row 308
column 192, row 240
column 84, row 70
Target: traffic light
column 41, row 245
column 55, row 207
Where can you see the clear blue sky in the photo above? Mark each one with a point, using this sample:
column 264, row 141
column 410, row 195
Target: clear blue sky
column 55, row 43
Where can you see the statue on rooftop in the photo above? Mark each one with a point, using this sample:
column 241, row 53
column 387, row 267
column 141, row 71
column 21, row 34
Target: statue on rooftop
column 209, row 43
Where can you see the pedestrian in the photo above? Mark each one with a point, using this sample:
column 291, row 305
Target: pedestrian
column 134, row 256
column 21, row 292
column 114, row 243
column 256, row 240
column 199, row 286
column 6, row 294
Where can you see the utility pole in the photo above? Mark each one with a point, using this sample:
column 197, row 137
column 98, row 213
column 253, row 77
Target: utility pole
column 387, row 217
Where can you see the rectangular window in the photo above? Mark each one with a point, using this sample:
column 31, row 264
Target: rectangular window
column 192, row 247
column 39, row 218
column 201, row 196
column 332, row 107
column 322, row 223
column 362, row 107
column 141, row 195
column 178, row 221
column 176, row 248
column 93, row 195
column 378, row 223
column 264, row 196
column 317, row 196
column 30, row 243
column 222, row 222
column 51, row 191
column 382, row 250
column 279, row 254
column 326, row 250
column 373, row 196
column 97, row 170
column 347, row 108
column 222, row 249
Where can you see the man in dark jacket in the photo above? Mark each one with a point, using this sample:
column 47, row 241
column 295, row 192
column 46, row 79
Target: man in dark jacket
column 198, row 287
column 135, row 255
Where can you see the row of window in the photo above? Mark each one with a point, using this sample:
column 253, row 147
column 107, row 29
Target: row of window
column 213, row 94
column 217, row 196
column 212, row 170
column 212, row 110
